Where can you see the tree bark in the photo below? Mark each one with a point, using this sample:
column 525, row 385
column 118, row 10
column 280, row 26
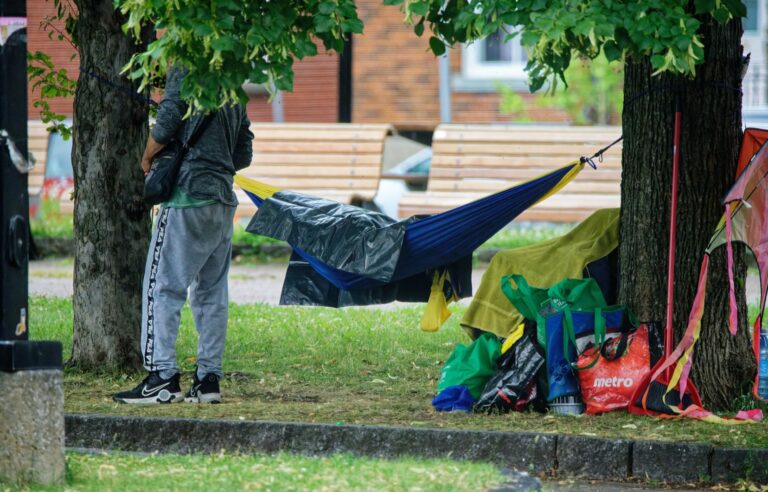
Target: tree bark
column 710, row 139
column 111, row 223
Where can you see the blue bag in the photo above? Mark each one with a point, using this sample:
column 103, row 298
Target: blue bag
column 562, row 329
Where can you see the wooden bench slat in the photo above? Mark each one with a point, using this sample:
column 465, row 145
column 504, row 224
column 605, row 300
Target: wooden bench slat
column 570, row 152
column 488, row 186
column 303, row 184
column 514, row 174
column 37, row 145
column 338, row 161
column 499, row 162
column 336, row 127
column 317, row 160
column 321, row 147
column 473, row 161
column 320, row 134
column 263, row 172
column 598, row 141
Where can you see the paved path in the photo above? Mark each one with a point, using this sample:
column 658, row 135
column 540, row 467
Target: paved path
column 247, row 284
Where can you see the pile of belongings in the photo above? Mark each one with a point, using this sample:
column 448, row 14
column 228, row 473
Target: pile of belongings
column 572, row 346
column 567, row 344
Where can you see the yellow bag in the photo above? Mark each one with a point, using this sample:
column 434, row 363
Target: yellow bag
column 513, row 337
column 437, row 312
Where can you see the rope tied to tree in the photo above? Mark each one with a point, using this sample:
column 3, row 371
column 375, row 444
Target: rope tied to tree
column 130, row 92
column 599, row 154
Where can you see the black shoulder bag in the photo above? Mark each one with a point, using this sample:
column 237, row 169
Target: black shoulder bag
column 159, row 183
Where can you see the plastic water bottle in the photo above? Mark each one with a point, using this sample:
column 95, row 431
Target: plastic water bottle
column 762, row 384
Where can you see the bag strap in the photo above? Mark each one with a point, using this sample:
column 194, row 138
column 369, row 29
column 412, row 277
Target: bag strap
column 522, row 287
column 621, row 348
column 192, row 140
column 599, row 333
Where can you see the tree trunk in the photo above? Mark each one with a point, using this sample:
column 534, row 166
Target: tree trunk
column 710, row 139
column 112, row 225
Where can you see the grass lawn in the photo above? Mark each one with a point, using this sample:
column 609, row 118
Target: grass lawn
column 284, row 472
column 348, row 366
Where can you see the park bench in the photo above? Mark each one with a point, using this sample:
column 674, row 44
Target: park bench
column 338, row 161
column 472, row 161
column 37, row 145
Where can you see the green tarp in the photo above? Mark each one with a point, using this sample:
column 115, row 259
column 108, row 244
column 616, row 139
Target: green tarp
column 542, row 264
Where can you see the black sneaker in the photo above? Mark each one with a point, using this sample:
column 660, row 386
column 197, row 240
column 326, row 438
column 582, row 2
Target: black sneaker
column 153, row 389
column 205, row 391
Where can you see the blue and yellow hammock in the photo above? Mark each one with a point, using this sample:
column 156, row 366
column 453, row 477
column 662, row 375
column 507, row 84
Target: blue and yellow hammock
column 441, row 239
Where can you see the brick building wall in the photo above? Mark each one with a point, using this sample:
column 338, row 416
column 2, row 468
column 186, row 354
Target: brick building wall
column 395, row 78
column 61, row 53
column 314, row 99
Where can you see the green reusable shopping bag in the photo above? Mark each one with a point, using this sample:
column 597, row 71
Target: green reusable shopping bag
column 471, row 365
column 526, row 299
column 568, row 295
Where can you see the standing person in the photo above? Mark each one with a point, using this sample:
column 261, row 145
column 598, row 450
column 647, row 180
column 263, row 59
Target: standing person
column 190, row 248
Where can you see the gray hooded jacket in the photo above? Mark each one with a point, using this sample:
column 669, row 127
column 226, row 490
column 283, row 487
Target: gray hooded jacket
column 222, row 150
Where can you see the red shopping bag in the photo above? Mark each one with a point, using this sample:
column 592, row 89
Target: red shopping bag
column 621, row 366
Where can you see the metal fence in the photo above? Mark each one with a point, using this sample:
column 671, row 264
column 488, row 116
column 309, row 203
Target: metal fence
column 755, row 87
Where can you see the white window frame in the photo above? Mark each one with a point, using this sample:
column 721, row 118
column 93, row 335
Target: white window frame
column 474, row 68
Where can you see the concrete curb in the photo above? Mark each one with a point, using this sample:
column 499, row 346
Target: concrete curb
column 550, row 454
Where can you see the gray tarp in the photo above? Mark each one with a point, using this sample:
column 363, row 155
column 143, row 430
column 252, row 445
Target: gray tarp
column 345, row 237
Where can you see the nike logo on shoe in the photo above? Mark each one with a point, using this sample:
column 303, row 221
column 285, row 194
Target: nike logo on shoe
column 149, row 391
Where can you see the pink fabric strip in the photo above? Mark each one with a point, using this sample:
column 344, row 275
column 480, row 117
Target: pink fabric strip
column 733, row 318
column 694, row 319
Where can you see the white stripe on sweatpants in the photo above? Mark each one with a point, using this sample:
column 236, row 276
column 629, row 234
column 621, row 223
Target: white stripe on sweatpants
column 194, row 254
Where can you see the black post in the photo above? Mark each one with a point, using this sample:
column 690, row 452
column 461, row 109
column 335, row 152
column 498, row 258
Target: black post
column 15, row 352
column 14, row 201
column 345, row 82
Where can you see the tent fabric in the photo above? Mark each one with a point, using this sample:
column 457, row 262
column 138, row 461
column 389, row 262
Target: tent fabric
column 304, row 286
column 754, row 138
column 427, row 244
column 745, row 220
column 354, row 240
column 544, row 263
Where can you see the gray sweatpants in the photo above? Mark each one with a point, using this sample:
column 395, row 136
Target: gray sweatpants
column 190, row 249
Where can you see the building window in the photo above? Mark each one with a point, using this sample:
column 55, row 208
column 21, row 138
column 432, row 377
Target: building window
column 493, row 58
column 750, row 23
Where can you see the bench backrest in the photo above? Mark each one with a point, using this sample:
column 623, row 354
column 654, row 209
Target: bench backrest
column 482, row 159
column 338, row 161
column 37, row 145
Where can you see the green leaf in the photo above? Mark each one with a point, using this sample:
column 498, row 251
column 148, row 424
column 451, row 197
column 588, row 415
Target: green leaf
column 704, row 6
column 419, row 8
column 323, row 23
column 657, row 61
column 721, row 15
column 393, row 2
column 224, row 43
column 536, row 83
column 202, row 30
column 612, row 51
column 327, row 8
column 736, row 7
column 352, row 25
column 419, row 28
column 437, row 46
